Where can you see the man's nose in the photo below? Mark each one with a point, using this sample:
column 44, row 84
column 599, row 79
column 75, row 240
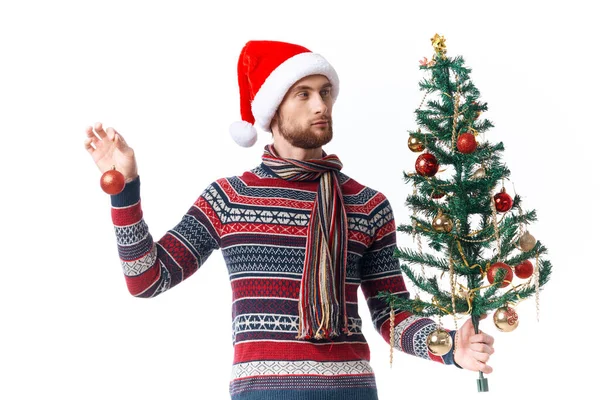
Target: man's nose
column 319, row 106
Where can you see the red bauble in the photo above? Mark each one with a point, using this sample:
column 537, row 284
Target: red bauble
column 491, row 273
column 524, row 270
column 503, row 201
column 437, row 194
column 112, row 181
column 427, row 164
column 466, row 143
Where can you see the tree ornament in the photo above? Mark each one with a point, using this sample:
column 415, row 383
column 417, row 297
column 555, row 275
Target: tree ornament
column 479, row 173
column 464, row 294
column 506, row 319
column 112, row 181
column 491, row 273
column 426, row 63
column 442, row 223
column 527, row 241
column 415, row 145
column 392, row 340
column 437, row 194
column 503, row 201
column 439, row 342
column 417, row 306
column 427, row 165
column 439, row 45
column 477, row 113
column 524, row 270
column 466, row 143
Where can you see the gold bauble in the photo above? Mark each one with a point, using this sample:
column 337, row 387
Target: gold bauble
column 527, row 241
column 479, row 173
column 415, row 145
column 506, row 319
column 417, row 305
column 439, row 342
column 442, row 223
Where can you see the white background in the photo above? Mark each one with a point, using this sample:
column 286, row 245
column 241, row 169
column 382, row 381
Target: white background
column 164, row 75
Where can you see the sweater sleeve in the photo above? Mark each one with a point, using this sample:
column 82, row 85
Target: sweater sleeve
column 380, row 271
column 150, row 267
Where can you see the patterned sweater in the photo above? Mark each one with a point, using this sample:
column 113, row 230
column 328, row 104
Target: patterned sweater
column 259, row 222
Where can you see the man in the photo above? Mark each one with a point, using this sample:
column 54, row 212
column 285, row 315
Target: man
column 298, row 237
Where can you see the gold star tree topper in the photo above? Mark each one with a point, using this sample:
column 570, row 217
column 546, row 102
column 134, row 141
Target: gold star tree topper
column 439, row 45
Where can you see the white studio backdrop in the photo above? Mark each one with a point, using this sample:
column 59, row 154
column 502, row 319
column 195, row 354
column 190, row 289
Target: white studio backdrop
column 164, row 75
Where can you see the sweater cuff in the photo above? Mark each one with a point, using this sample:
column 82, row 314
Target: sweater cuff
column 128, row 196
column 449, row 357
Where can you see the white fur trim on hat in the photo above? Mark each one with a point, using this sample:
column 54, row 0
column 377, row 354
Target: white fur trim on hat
column 243, row 133
column 273, row 90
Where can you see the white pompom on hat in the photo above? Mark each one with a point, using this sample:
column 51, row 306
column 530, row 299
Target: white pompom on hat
column 266, row 71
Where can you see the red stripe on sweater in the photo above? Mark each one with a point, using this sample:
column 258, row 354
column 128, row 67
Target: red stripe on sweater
column 277, row 287
column 393, row 284
column 360, row 237
column 235, row 197
column 270, row 229
column 389, row 227
column 127, row 215
column 180, row 253
column 366, row 208
column 206, row 208
column 272, row 350
column 253, row 180
column 351, row 187
column 320, row 376
column 138, row 284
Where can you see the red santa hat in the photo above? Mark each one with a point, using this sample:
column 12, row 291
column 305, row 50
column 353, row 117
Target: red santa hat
column 266, row 71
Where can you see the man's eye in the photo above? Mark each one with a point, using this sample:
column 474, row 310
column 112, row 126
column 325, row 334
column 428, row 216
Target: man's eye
column 303, row 94
column 325, row 92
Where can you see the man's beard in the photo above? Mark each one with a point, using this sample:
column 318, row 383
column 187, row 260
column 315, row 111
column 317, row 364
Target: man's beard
column 303, row 138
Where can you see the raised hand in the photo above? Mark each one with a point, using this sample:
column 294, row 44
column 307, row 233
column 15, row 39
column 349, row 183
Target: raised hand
column 108, row 148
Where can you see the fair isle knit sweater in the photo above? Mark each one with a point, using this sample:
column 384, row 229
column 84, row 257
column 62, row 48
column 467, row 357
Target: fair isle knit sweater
column 259, row 222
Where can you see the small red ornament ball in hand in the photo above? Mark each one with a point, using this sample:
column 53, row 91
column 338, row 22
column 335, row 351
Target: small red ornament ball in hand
column 524, row 270
column 491, row 273
column 466, row 143
column 112, row 181
column 427, row 165
column 503, row 201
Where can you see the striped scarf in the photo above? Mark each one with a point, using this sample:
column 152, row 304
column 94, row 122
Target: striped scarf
column 322, row 305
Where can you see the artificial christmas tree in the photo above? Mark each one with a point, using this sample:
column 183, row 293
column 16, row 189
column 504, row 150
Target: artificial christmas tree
column 475, row 230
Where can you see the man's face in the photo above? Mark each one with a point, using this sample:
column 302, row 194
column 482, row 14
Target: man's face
column 304, row 116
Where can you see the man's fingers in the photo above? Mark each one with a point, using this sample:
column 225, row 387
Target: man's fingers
column 88, row 145
column 481, row 357
column 120, row 142
column 481, row 348
column 110, row 133
column 90, row 134
column 483, row 367
column 482, row 338
column 100, row 130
